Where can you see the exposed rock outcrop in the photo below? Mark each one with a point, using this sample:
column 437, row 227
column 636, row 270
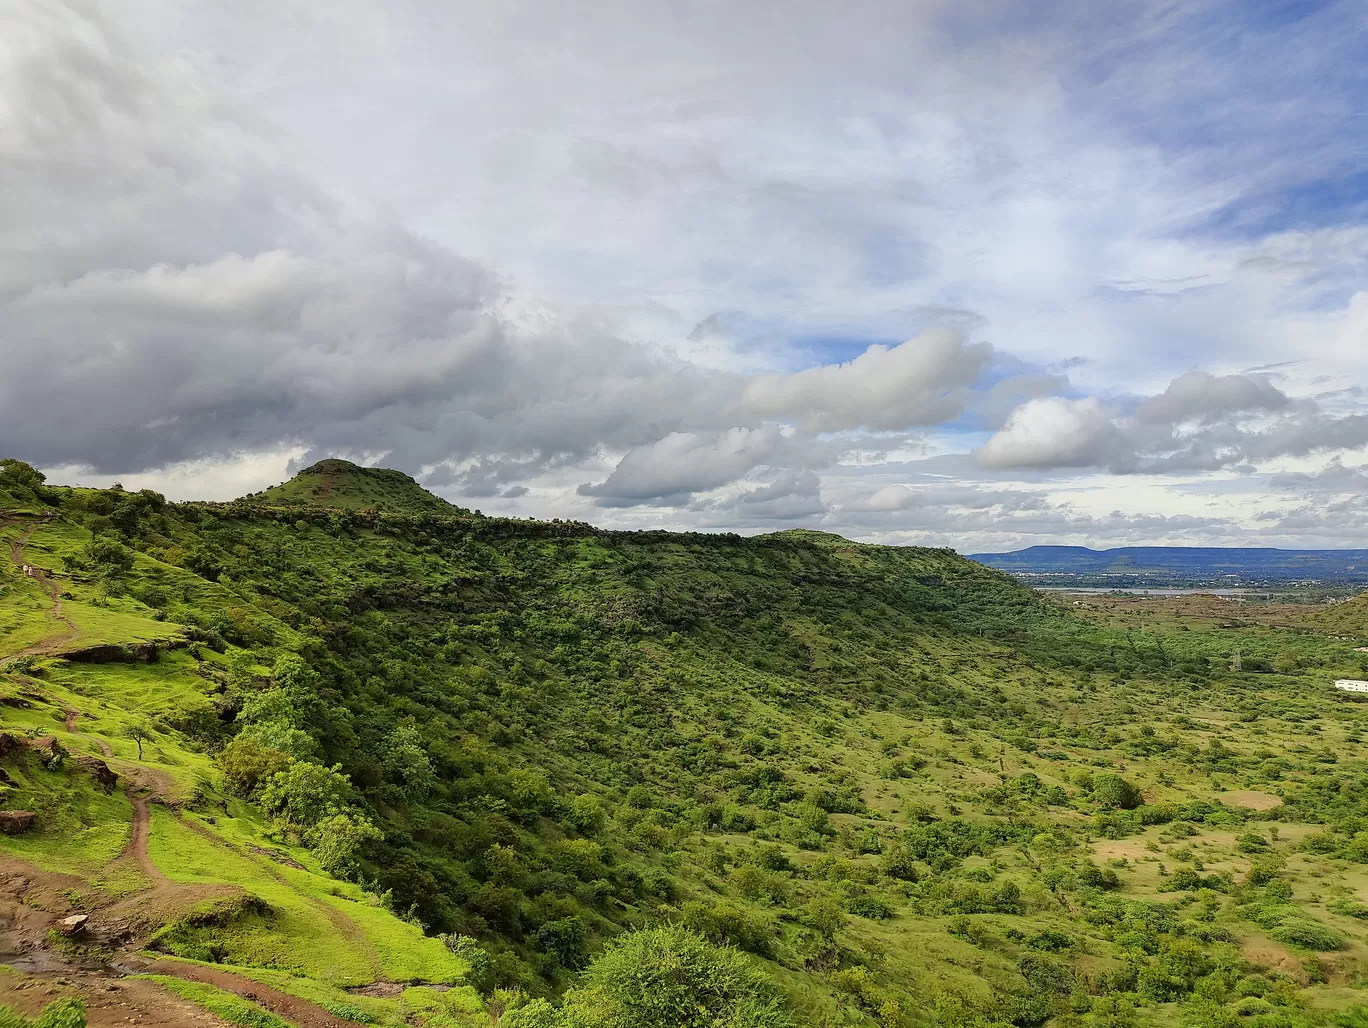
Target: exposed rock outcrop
column 13, row 822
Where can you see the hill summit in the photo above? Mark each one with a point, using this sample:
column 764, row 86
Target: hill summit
column 340, row 483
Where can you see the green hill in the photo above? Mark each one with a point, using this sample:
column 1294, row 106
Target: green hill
column 619, row 779
column 1349, row 618
column 348, row 486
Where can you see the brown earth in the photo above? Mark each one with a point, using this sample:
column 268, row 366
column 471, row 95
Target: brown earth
column 1250, row 799
column 110, row 1002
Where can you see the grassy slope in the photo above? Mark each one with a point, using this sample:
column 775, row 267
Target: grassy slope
column 343, row 485
column 740, row 687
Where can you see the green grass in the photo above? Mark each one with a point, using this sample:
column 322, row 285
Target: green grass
column 226, row 1005
column 334, row 999
column 296, row 936
column 405, row 953
column 79, row 829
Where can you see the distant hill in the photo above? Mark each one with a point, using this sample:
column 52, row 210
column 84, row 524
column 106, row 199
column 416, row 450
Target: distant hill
column 1209, row 563
column 342, row 484
column 1349, row 618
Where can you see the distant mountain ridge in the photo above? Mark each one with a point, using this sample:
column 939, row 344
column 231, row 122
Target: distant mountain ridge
column 1184, row 562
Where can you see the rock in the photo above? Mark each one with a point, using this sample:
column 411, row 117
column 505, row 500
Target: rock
column 99, row 770
column 50, row 752
column 9, row 744
column 12, row 822
column 73, row 925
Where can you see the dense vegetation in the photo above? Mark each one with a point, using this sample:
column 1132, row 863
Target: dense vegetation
column 826, row 783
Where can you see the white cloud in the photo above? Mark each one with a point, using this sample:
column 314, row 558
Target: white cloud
column 686, row 462
column 448, row 236
column 923, row 381
column 1054, row 432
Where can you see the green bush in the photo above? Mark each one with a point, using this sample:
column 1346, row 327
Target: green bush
column 1112, row 792
column 67, row 1012
column 673, row 978
column 1307, row 934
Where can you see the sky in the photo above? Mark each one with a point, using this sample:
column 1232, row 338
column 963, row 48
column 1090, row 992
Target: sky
column 976, row 274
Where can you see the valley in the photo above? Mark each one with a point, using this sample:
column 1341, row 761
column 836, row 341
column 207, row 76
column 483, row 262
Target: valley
column 382, row 760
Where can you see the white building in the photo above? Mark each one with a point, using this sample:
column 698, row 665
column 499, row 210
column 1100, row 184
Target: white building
column 1352, row 685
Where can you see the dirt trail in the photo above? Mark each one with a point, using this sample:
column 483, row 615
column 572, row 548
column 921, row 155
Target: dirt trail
column 137, row 842
column 110, row 1001
column 295, row 1010
column 31, row 901
column 348, row 928
column 69, row 723
column 48, row 647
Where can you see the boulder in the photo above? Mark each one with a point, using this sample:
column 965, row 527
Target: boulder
column 73, row 925
column 50, row 751
column 99, row 770
column 12, row 822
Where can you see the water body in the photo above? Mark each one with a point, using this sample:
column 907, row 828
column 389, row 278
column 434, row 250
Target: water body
column 1147, row 591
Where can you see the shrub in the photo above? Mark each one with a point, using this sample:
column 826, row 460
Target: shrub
column 872, row 907
column 1045, row 975
column 247, row 764
column 673, row 978
column 1112, row 792
column 68, row 1012
column 727, row 923
column 1308, row 934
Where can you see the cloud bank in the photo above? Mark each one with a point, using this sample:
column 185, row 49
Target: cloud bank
column 923, row 273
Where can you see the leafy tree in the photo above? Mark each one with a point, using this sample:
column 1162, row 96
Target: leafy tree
column 17, row 474
column 1112, row 792
column 139, row 729
column 305, row 793
column 585, row 813
column 405, row 760
column 337, row 838
column 108, row 557
column 247, row 764
column 563, row 939
column 824, row 916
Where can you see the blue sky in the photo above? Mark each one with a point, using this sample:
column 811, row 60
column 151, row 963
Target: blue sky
column 975, row 273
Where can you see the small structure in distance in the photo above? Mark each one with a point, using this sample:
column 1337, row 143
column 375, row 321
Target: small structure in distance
column 1351, row 685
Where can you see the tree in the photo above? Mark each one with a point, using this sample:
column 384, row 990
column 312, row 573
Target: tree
column 247, row 763
column 336, row 839
column 306, row 793
column 825, row 917
column 1113, row 792
column 673, row 978
column 17, row 473
column 406, row 761
column 109, row 557
column 140, row 731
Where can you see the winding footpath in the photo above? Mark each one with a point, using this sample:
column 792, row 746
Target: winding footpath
column 145, row 786
column 50, row 646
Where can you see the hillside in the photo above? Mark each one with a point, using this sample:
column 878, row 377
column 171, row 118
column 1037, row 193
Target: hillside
column 393, row 762
column 348, row 486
